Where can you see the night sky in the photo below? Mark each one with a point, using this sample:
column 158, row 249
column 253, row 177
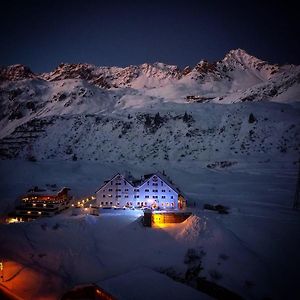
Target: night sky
column 42, row 34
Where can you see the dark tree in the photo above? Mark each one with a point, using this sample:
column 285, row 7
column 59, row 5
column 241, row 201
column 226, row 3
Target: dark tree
column 157, row 119
column 251, row 119
column 186, row 117
column 147, row 120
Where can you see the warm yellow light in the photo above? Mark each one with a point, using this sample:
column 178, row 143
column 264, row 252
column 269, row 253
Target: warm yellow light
column 72, row 205
column 1, row 265
column 12, row 220
column 86, row 208
column 40, row 212
column 44, row 204
column 33, row 204
column 29, row 212
column 78, row 202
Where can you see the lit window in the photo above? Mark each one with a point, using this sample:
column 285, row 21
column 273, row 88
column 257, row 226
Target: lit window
column 29, row 212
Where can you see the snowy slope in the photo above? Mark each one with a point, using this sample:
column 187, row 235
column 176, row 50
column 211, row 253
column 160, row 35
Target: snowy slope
column 249, row 249
column 92, row 106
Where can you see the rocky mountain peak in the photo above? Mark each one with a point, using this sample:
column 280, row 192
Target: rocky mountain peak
column 16, row 72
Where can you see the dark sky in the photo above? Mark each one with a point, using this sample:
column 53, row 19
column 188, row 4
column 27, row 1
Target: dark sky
column 42, row 34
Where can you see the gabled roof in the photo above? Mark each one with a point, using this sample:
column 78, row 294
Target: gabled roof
column 46, row 191
column 164, row 178
column 106, row 182
column 139, row 182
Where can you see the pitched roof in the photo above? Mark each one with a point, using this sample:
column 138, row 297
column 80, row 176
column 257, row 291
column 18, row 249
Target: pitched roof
column 107, row 181
column 162, row 177
column 140, row 182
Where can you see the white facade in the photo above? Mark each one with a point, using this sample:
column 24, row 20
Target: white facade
column 155, row 192
column 116, row 192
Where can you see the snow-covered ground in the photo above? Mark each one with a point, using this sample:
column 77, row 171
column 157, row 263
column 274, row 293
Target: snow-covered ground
column 236, row 144
column 253, row 250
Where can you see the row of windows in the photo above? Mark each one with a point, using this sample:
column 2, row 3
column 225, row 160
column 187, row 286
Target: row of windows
column 138, row 203
column 137, row 196
column 137, row 190
column 117, row 196
column 118, row 182
column 125, row 183
column 117, row 190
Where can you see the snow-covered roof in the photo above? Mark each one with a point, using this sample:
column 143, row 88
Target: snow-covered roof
column 107, row 181
column 144, row 283
column 163, row 178
column 139, row 182
column 46, row 191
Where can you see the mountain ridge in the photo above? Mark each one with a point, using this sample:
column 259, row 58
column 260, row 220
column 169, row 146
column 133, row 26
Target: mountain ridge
column 117, row 106
column 86, row 70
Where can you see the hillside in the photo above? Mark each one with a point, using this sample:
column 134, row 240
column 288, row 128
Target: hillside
column 80, row 111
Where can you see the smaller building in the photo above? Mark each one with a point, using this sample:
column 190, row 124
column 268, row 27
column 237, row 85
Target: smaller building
column 41, row 203
column 164, row 218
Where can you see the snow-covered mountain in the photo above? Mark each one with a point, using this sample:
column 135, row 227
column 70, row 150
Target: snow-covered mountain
column 151, row 111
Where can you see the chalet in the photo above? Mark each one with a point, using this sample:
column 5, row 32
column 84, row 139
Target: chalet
column 41, row 203
column 153, row 191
